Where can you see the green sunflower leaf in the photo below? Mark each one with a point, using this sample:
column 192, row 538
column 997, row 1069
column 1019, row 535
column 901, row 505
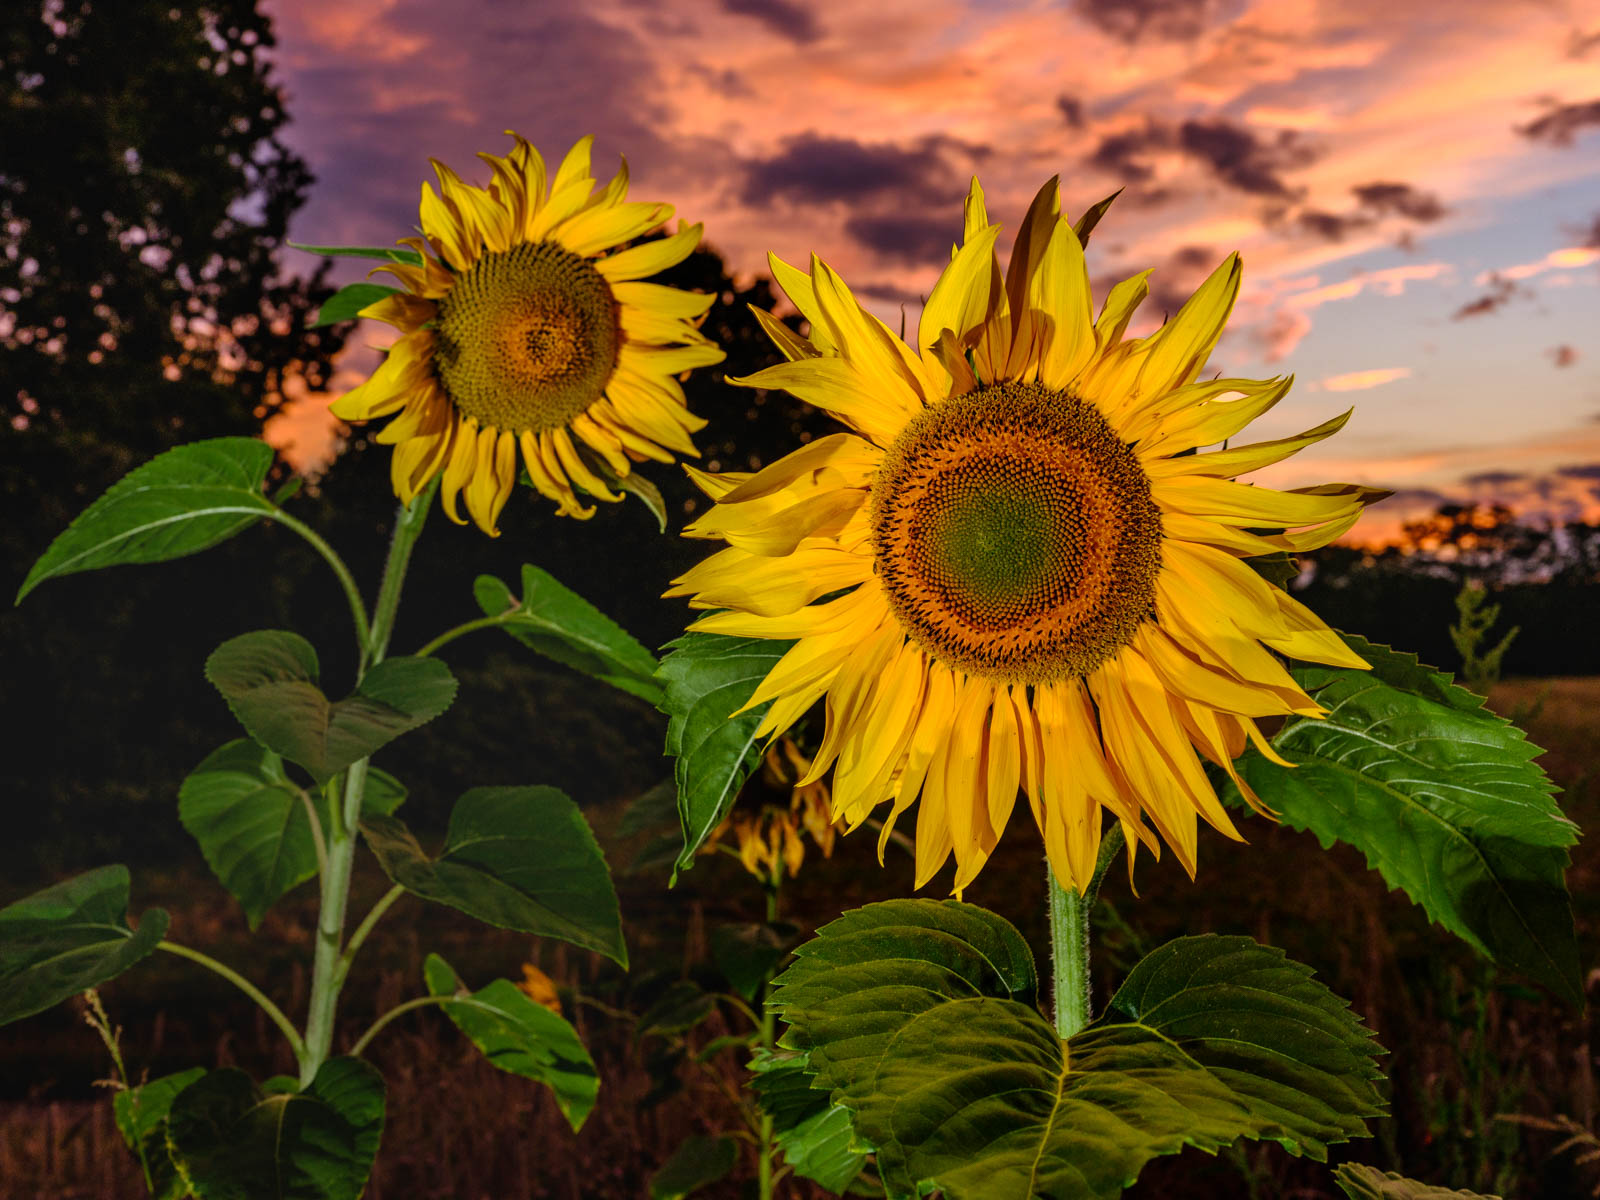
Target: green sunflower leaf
column 1361, row 1182
column 390, row 253
column 269, row 679
column 556, row 622
column 179, row 503
column 70, row 937
column 233, row 1141
column 141, row 1117
column 699, row 1162
column 1445, row 800
column 253, row 825
column 705, row 678
column 814, row 1134
column 912, row 1023
column 346, row 304
column 520, row 1036
column 516, row 857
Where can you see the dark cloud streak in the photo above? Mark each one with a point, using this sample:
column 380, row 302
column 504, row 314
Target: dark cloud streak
column 787, row 19
column 1562, row 123
column 815, row 168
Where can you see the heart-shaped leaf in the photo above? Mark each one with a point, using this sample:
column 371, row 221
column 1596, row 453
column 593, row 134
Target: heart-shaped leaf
column 705, row 678
column 269, row 679
column 1361, row 1182
column 178, row 503
column 556, row 622
column 906, row 1015
column 346, row 304
column 1445, row 800
column 252, row 822
column 235, row 1141
column 517, row 857
column 75, row 935
column 141, row 1117
column 518, row 1035
column 699, row 1162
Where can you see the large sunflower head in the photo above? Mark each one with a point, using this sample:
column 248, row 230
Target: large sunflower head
column 526, row 335
column 1022, row 572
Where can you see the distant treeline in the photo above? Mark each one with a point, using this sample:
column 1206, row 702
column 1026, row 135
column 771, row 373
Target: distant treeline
column 1544, row 576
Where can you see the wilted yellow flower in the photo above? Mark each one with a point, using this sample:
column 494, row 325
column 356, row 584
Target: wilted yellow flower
column 526, row 334
column 768, row 836
column 1043, row 578
column 539, row 988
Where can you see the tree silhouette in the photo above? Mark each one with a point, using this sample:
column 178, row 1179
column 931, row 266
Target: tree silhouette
column 144, row 196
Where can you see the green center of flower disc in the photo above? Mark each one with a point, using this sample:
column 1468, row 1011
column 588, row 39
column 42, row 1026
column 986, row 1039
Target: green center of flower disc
column 1015, row 534
column 527, row 338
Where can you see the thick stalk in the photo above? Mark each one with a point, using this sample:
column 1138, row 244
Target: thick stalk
column 328, row 967
column 1069, row 940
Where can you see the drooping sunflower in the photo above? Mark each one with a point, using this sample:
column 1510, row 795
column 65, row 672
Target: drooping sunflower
column 1022, row 571
column 526, row 334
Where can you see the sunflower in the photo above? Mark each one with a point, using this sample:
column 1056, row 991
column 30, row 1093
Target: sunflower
column 524, row 329
column 1021, row 570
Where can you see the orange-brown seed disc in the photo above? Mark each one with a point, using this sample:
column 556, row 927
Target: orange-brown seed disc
column 1015, row 535
column 527, row 337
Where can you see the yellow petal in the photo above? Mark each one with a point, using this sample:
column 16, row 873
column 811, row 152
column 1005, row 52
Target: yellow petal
column 599, row 228
column 408, row 364
column 648, row 258
column 1062, row 299
column 878, row 410
column 960, row 300
column 1180, row 347
column 1119, row 307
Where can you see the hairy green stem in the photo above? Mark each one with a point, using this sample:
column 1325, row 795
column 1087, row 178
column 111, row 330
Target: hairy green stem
column 450, row 635
column 358, row 609
column 329, row 962
column 399, row 1010
column 274, row 1013
column 1069, row 940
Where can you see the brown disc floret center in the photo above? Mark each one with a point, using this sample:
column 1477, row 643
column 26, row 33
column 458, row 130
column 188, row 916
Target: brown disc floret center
column 1015, row 535
column 527, row 337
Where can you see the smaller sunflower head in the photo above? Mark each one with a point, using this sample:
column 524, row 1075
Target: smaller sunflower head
column 528, row 340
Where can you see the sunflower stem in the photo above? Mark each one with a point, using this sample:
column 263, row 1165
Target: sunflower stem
column 328, row 964
column 1069, row 939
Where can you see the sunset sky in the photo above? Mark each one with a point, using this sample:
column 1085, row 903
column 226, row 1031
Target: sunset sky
column 1414, row 186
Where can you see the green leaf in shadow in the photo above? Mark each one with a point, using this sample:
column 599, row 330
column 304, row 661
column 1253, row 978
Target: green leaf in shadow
column 75, row 935
column 178, row 503
column 706, row 678
column 520, row 1036
column 234, row 1141
column 517, row 857
column 269, row 679
column 553, row 620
